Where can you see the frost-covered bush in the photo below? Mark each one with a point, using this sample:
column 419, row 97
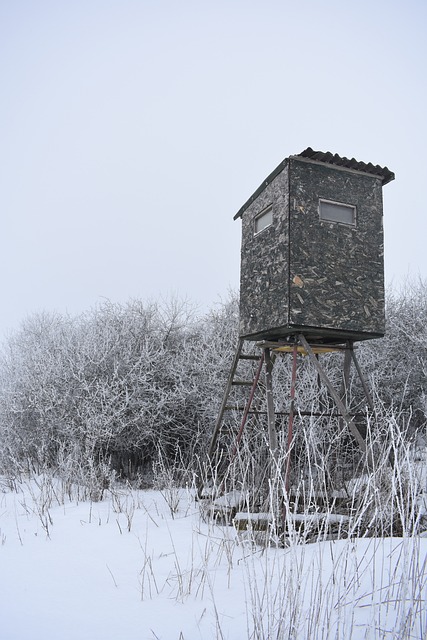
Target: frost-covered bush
column 109, row 389
column 113, row 386
column 396, row 365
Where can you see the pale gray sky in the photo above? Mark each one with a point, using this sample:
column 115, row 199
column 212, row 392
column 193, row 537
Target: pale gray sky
column 131, row 131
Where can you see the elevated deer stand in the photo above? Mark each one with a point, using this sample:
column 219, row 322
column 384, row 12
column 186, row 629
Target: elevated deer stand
column 311, row 281
column 259, row 393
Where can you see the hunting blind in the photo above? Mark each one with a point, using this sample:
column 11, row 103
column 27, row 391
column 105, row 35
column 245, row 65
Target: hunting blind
column 312, row 251
column 311, row 282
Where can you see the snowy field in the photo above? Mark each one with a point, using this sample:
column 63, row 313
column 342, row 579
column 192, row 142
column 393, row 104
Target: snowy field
column 146, row 565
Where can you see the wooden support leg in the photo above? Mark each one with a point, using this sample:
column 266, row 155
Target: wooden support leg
column 225, row 398
column 221, row 412
column 368, row 397
column 271, row 418
column 346, row 373
column 345, row 380
column 291, row 418
column 362, row 379
column 245, row 416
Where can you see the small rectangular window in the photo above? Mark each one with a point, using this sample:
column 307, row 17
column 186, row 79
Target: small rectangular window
column 263, row 220
column 337, row 212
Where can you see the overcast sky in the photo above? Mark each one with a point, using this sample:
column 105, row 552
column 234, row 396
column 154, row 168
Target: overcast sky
column 131, row 131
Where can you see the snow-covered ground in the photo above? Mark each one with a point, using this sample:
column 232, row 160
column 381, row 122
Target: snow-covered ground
column 146, row 565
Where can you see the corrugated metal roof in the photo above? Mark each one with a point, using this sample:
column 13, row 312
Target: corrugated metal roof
column 327, row 158
column 330, row 158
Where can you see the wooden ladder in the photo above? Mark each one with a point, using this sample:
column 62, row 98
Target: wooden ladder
column 249, row 380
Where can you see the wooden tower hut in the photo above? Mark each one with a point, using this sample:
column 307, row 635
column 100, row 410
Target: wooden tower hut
column 312, row 251
column 312, row 281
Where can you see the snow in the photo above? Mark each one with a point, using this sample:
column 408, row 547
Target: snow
column 252, row 517
column 232, row 499
column 135, row 566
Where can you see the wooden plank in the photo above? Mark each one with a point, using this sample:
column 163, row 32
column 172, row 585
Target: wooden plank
column 286, row 347
column 301, row 350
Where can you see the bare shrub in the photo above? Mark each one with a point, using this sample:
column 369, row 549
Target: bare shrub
column 106, row 389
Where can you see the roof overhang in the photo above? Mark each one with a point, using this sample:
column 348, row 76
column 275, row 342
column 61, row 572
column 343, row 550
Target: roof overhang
column 320, row 157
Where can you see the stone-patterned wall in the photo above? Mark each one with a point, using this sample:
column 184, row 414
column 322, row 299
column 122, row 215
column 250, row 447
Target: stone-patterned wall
column 336, row 270
column 308, row 273
column 264, row 274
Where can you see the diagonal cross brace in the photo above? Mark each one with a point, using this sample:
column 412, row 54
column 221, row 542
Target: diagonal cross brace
column 339, row 403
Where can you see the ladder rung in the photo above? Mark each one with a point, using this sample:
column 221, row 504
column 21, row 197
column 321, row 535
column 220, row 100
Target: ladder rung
column 230, row 407
column 243, row 382
column 244, row 356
